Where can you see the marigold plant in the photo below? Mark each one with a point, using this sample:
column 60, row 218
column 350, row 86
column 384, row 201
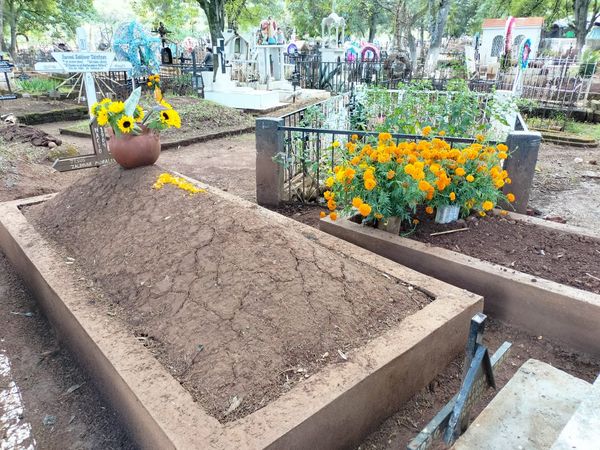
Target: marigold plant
column 382, row 179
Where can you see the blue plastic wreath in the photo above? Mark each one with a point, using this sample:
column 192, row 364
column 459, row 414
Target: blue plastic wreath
column 524, row 54
column 131, row 42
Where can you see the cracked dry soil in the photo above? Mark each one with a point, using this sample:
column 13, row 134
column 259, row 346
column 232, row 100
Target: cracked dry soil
column 231, row 303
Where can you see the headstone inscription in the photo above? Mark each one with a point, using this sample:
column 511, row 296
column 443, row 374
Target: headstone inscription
column 86, row 63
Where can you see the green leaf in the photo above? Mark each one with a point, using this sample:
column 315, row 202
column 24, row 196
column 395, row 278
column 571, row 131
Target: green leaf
column 132, row 101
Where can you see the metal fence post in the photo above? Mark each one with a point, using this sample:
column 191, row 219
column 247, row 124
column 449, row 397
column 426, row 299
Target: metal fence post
column 523, row 147
column 269, row 173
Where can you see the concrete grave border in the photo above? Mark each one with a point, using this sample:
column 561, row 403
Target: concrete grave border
column 536, row 305
column 335, row 408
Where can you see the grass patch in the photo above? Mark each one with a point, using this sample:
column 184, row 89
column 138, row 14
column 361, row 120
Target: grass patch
column 37, row 85
column 568, row 126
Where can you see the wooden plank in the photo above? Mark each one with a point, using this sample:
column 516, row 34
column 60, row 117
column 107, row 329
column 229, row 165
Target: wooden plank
column 437, row 426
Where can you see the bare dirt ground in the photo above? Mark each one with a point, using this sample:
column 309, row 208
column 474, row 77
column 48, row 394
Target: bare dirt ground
column 203, row 271
column 62, row 406
column 228, row 163
column 567, row 185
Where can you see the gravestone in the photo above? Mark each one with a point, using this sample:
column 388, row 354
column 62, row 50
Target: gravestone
column 86, row 63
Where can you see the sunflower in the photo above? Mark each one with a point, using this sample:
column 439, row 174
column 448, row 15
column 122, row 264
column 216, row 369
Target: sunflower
column 94, row 108
column 138, row 115
column 102, row 117
column 116, row 107
column 126, row 124
column 170, row 117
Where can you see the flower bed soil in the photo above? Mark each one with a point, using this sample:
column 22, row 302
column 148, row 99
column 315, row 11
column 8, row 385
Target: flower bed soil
column 566, row 258
column 236, row 307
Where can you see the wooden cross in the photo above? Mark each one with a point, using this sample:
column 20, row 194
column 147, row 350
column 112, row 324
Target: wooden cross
column 85, row 62
column 6, row 68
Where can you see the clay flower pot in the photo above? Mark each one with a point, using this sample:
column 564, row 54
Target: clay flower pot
column 132, row 151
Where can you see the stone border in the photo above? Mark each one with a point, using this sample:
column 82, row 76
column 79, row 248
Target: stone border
column 539, row 306
column 179, row 143
column 334, row 408
column 59, row 115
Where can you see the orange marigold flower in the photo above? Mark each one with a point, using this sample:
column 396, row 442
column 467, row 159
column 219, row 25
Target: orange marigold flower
column 482, row 214
column 508, row 181
column 370, row 184
column 335, row 144
column 328, row 195
column 487, row 205
column 391, row 174
column 415, row 221
column 354, row 137
column 426, row 131
column 502, row 155
column 452, row 196
column 332, row 205
column 510, row 197
column 442, row 133
column 329, row 182
column 364, row 210
column 357, row 202
column 384, row 137
column 499, row 183
column 429, row 210
column 502, row 148
column 424, row 186
column 460, row 171
column 480, row 138
column 333, row 215
column 322, row 214
column 470, row 178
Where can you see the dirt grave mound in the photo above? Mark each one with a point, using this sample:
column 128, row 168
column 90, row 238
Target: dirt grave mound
column 238, row 307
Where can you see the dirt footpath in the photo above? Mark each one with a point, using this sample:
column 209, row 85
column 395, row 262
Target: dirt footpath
column 228, row 163
column 567, row 185
column 62, row 407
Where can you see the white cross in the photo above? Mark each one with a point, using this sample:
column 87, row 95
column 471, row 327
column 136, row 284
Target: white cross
column 85, row 62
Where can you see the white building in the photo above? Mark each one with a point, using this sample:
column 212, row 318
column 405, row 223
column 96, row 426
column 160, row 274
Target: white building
column 493, row 36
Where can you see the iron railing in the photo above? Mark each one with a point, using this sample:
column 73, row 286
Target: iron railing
column 309, row 154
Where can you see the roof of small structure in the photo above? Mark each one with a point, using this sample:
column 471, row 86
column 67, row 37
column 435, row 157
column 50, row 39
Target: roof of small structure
column 520, row 22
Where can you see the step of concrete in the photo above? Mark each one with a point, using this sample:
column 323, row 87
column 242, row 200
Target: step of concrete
column 529, row 412
column 582, row 432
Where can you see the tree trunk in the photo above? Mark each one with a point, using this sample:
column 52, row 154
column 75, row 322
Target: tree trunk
column 2, row 41
column 437, row 31
column 398, row 25
column 580, row 12
column 412, row 48
column 12, row 49
column 372, row 26
column 215, row 14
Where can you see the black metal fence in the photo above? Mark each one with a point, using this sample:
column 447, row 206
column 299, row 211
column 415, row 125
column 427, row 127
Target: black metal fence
column 309, row 154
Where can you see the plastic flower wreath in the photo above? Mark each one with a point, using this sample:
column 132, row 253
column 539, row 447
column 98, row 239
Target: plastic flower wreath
column 130, row 118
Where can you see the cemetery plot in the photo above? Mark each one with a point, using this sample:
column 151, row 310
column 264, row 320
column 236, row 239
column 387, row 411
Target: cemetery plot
column 199, row 119
column 258, row 317
column 538, row 275
column 36, row 111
